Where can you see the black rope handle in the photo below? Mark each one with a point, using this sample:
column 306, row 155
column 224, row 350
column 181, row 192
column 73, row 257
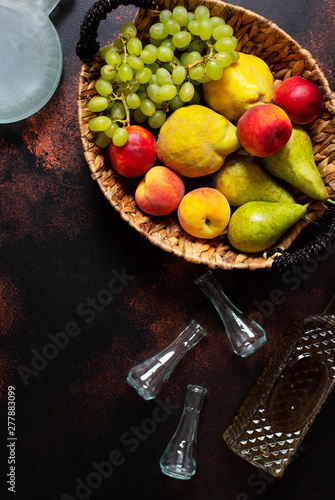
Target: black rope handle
column 287, row 259
column 88, row 46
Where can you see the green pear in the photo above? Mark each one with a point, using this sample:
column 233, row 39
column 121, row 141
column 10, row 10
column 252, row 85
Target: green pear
column 257, row 225
column 295, row 164
column 242, row 179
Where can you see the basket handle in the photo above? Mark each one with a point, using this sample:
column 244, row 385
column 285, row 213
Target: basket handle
column 87, row 45
column 287, row 260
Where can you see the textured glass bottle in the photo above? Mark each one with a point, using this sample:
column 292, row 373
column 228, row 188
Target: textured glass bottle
column 148, row 377
column 179, row 460
column 244, row 335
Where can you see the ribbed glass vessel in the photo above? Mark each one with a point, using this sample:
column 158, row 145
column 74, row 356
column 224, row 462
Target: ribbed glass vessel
column 245, row 336
column 148, row 377
column 179, row 460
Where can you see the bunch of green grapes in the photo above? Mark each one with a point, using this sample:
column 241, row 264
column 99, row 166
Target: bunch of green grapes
column 139, row 84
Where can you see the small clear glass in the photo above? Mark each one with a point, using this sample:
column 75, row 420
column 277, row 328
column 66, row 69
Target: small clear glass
column 179, row 460
column 245, row 335
column 148, row 377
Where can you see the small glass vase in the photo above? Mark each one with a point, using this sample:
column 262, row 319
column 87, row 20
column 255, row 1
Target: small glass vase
column 245, row 335
column 179, row 460
column 148, row 377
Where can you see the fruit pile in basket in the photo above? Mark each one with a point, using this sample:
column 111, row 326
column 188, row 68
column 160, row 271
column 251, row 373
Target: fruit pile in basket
column 227, row 144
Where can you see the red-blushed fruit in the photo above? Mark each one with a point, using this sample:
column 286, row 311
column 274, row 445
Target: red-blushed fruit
column 204, row 212
column 263, row 130
column 160, row 191
column 300, row 98
column 137, row 156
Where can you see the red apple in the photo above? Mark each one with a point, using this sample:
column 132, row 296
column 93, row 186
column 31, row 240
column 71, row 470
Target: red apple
column 264, row 129
column 300, row 98
column 137, row 156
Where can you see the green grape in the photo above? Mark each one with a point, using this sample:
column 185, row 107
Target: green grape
column 153, row 80
column 205, row 79
column 103, row 87
column 193, row 27
column 205, row 29
column 120, row 137
column 216, row 21
column 134, row 46
column 125, row 72
column 117, row 79
column 157, row 31
column 169, row 67
column 168, row 43
column 148, row 107
column 135, row 62
column 153, row 68
column 224, row 59
column 142, row 95
column 172, row 27
column 164, row 54
column 197, row 72
column 196, row 45
column 117, row 44
column 176, row 103
column 139, row 117
column 183, row 58
column 102, row 141
column 148, row 56
column 98, row 104
column 118, row 112
column 111, row 130
column 227, row 44
column 99, row 123
column 167, row 92
column 163, row 76
column 178, row 75
column 165, row 15
column 133, row 101
column 155, row 42
column 128, row 30
column 104, row 50
column 157, row 119
column 180, row 15
column 214, row 70
column 186, row 91
column 222, row 31
column 235, row 56
column 193, row 57
column 182, row 39
column 201, row 13
column 108, row 72
column 152, row 47
column 190, row 16
column 112, row 58
column 196, row 99
column 144, row 75
column 153, row 93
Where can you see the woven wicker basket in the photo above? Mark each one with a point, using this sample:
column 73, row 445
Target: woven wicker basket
column 285, row 58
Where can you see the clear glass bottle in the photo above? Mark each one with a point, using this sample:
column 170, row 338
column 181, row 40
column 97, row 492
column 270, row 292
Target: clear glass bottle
column 179, row 460
column 148, row 377
column 245, row 335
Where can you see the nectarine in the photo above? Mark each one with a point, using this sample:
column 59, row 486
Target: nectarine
column 137, row 155
column 264, row 129
column 204, row 212
column 300, row 98
column 160, row 191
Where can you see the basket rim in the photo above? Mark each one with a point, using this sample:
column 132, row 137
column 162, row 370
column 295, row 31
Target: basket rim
column 113, row 186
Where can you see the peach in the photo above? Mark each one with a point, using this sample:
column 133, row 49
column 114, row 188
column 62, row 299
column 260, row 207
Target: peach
column 160, row 191
column 264, row 129
column 300, row 98
column 137, row 156
column 204, row 212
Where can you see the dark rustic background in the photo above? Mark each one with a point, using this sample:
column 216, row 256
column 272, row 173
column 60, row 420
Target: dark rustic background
column 60, row 245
